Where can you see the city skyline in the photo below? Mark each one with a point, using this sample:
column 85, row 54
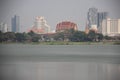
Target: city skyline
column 55, row 11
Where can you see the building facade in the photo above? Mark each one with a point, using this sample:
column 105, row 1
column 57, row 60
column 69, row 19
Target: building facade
column 92, row 16
column 66, row 25
column 100, row 17
column 3, row 27
column 15, row 21
column 40, row 26
column 110, row 27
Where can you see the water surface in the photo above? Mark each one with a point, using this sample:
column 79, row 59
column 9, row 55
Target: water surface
column 59, row 62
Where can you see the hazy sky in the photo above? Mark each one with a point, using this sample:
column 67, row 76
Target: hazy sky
column 54, row 11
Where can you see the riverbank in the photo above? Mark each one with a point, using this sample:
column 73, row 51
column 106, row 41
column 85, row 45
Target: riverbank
column 65, row 43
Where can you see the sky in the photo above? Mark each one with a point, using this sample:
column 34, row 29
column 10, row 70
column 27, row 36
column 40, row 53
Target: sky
column 55, row 11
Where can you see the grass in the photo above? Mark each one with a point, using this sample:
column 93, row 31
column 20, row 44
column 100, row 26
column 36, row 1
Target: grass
column 64, row 43
column 74, row 43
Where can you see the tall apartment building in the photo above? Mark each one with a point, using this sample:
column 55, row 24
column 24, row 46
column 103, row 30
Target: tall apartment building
column 110, row 27
column 15, row 21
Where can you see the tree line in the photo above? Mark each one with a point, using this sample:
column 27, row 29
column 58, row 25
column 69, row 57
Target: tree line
column 67, row 35
column 80, row 36
column 19, row 37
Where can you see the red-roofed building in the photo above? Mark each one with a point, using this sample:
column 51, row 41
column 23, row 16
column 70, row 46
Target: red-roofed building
column 66, row 25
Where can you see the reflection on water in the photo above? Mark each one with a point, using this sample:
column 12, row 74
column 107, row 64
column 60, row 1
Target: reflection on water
column 49, row 66
column 59, row 71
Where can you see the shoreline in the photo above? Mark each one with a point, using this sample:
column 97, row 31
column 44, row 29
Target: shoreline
column 64, row 43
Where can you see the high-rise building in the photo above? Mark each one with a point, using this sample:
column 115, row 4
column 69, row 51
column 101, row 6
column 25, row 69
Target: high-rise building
column 3, row 27
column 92, row 17
column 95, row 19
column 40, row 26
column 100, row 17
column 110, row 27
column 15, row 21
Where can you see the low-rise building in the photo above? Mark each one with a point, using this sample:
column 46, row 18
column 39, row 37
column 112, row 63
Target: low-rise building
column 66, row 25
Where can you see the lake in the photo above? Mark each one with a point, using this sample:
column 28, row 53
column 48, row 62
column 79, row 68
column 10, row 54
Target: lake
column 59, row 62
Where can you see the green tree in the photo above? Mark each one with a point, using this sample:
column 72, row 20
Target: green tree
column 1, row 36
column 20, row 37
column 46, row 38
column 35, row 39
column 78, row 36
column 107, row 37
column 27, row 37
column 99, row 36
column 59, row 36
column 31, row 33
column 9, row 36
column 91, row 36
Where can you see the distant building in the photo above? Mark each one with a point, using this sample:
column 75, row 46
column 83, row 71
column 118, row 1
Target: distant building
column 86, row 30
column 66, row 25
column 110, row 27
column 94, row 28
column 92, row 16
column 100, row 17
column 15, row 21
column 3, row 27
column 40, row 26
column 95, row 19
